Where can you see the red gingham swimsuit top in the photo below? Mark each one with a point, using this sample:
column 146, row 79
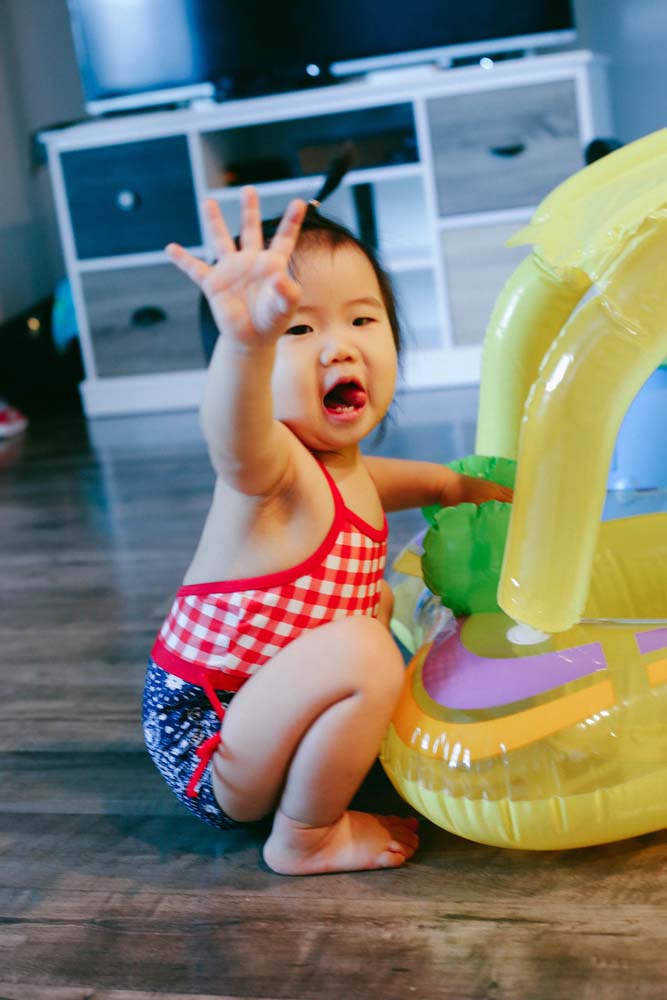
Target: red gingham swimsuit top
column 219, row 634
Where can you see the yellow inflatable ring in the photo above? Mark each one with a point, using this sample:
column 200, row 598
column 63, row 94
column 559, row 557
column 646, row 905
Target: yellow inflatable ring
column 544, row 726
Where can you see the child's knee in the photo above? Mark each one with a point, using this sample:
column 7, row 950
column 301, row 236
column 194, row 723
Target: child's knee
column 374, row 658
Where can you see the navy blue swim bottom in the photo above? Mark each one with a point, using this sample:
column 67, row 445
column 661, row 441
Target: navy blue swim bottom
column 178, row 718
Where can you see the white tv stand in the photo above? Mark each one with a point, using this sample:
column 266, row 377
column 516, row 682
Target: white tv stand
column 452, row 162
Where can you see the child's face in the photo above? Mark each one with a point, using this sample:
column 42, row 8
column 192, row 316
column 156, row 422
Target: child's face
column 335, row 370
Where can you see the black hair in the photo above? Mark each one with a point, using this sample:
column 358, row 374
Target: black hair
column 317, row 228
column 320, row 229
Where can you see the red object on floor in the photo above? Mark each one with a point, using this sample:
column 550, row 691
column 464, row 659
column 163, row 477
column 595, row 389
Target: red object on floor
column 12, row 421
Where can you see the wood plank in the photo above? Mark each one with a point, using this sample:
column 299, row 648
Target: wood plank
column 96, row 780
column 32, row 992
column 332, row 948
column 174, row 853
column 122, row 782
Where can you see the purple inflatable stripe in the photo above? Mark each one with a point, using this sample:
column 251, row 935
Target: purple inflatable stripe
column 456, row 678
column 649, row 642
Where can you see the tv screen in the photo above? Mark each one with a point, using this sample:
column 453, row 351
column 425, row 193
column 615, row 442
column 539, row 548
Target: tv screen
column 242, row 47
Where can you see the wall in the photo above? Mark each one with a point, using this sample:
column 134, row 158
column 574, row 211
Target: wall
column 39, row 85
column 634, row 35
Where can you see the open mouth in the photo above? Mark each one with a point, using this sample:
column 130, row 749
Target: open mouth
column 345, row 397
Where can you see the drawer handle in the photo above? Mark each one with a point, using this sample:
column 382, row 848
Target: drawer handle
column 127, row 201
column 506, row 152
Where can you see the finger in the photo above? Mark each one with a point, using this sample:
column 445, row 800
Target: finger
column 197, row 270
column 276, row 301
column 287, row 290
column 287, row 233
column 251, row 226
column 222, row 241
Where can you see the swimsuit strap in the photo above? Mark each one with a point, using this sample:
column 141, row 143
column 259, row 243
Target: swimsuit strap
column 376, row 534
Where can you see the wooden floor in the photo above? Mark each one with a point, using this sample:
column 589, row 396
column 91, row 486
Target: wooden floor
column 110, row 891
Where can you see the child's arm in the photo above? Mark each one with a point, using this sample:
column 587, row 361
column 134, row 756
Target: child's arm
column 403, row 484
column 252, row 298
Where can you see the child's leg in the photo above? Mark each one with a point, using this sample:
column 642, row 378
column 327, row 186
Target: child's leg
column 301, row 735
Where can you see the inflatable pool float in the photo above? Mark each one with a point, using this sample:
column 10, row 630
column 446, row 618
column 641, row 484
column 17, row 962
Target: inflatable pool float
column 542, row 724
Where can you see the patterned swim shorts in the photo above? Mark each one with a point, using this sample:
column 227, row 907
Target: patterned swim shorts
column 178, row 718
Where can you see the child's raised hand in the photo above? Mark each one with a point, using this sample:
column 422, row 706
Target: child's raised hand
column 250, row 291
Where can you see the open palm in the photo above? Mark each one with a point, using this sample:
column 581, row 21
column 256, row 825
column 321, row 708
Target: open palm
column 249, row 290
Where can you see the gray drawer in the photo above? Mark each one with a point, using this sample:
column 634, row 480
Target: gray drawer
column 124, row 343
column 503, row 148
column 477, row 266
column 131, row 198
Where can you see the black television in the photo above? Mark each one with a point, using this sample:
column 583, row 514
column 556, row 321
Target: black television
column 137, row 53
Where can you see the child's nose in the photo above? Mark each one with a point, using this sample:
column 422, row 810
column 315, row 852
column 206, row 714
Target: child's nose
column 337, row 350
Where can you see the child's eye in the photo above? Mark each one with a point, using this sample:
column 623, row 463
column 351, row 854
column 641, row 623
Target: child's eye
column 362, row 320
column 299, row 330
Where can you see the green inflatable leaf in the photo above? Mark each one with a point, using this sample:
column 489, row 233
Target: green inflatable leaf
column 497, row 470
column 463, row 549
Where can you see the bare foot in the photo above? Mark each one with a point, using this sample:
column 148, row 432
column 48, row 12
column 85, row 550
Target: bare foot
column 356, row 842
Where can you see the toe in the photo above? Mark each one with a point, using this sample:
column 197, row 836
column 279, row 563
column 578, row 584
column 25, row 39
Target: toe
column 402, row 828
column 391, row 859
column 403, row 846
column 411, row 841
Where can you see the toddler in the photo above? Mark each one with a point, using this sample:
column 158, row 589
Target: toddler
column 281, row 625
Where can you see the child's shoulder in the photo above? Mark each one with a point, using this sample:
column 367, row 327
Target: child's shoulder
column 354, row 483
